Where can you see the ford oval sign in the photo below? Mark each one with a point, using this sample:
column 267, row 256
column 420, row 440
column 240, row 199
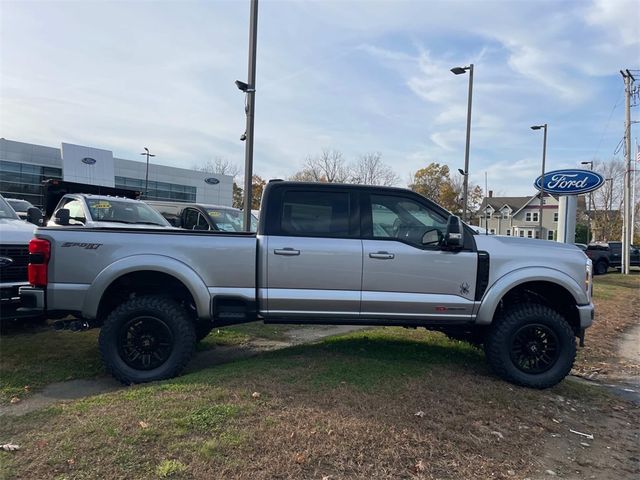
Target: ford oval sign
column 211, row 181
column 5, row 261
column 570, row 182
column 88, row 160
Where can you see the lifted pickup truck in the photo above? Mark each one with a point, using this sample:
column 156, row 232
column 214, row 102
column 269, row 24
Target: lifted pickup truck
column 324, row 254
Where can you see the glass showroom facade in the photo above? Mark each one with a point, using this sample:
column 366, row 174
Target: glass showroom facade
column 21, row 180
column 25, row 166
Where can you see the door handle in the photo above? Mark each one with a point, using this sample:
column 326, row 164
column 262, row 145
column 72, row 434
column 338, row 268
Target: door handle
column 286, row 251
column 382, row 255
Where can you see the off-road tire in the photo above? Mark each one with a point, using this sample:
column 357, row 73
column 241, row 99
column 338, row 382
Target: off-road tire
column 176, row 323
column 502, row 334
column 601, row 267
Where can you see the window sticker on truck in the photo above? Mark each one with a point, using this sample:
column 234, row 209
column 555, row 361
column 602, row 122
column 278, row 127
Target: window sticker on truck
column 87, row 246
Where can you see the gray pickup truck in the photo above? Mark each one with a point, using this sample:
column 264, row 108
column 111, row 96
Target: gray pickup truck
column 323, row 254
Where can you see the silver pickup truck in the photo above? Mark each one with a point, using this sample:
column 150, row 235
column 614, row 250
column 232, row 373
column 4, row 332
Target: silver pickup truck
column 323, row 254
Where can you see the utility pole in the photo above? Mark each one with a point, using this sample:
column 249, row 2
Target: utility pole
column 250, row 90
column 626, row 231
column 590, row 202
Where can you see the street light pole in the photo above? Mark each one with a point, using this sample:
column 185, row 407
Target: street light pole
column 544, row 158
column 250, row 90
column 146, row 177
column 458, row 71
column 590, row 163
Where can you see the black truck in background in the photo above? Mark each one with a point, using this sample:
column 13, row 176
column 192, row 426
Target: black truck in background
column 609, row 255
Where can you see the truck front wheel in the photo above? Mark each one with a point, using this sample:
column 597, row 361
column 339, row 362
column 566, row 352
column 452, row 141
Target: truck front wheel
column 531, row 345
column 147, row 338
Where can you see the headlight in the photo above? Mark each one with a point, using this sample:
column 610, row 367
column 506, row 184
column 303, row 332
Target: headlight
column 588, row 278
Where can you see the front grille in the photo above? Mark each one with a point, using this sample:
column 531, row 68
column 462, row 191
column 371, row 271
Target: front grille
column 15, row 271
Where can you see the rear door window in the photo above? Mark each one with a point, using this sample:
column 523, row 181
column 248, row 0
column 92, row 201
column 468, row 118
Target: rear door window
column 315, row 214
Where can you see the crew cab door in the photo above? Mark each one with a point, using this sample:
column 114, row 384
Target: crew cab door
column 313, row 255
column 406, row 273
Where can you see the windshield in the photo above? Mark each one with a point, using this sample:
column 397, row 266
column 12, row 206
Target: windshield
column 108, row 210
column 6, row 211
column 20, row 205
column 229, row 220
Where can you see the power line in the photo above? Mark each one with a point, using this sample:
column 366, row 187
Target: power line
column 606, row 128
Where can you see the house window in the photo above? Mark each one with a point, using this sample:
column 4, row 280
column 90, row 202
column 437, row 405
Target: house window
column 555, row 216
column 492, row 231
column 550, row 235
column 529, row 233
column 531, row 217
column 522, row 233
column 527, row 217
column 537, row 234
column 508, row 232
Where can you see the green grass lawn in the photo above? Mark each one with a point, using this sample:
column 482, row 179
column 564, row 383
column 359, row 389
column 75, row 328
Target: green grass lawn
column 346, row 404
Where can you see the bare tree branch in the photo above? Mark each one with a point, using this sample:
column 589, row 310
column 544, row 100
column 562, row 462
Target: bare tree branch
column 220, row 166
column 371, row 170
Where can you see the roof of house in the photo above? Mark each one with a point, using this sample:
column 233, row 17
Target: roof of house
column 515, row 203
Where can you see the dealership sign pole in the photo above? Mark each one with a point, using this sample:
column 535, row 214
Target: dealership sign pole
column 568, row 184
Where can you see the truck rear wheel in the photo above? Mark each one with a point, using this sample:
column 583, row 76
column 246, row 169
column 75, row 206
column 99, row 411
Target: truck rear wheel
column 146, row 339
column 531, row 345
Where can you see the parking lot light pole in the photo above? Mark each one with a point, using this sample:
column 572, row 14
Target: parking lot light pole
column 544, row 158
column 460, row 71
column 249, row 89
column 146, row 177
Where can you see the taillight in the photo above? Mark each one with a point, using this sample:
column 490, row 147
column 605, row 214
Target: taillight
column 39, row 253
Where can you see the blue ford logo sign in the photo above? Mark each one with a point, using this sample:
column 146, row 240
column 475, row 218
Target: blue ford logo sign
column 5, row 261
column 570, row 182
column 211, row 181
column 88, row 160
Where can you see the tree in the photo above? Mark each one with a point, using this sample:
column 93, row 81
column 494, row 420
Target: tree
column 434, row 182
column 607, row 201
column 257, row 187
column 220, row 166
column 430, row 180
column 370, row 170
column 328, row 167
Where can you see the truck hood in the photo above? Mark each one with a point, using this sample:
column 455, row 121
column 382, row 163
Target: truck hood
column 15, row 232
column 492, row 242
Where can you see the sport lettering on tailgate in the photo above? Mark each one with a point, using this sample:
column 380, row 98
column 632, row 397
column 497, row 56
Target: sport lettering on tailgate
column 87, row 246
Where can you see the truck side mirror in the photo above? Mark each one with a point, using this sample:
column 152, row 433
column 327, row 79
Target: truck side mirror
column 34, row 215
column 62, row 216
column 454, row 238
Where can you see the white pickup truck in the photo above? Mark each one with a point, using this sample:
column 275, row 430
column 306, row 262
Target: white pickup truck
column 323, row 254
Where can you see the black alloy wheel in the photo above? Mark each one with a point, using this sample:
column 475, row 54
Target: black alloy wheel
column 145, row 342
column 534, row 348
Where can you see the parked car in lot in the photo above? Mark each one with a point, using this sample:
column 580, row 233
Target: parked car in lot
column 15, row 235
column 78, row 209
column 25, row 210
column 323, row 254
column 198, row 216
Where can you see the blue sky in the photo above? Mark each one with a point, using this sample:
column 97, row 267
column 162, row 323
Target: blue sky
column 356, row 76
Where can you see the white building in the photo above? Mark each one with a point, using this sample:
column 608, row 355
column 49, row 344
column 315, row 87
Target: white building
column 24, row 166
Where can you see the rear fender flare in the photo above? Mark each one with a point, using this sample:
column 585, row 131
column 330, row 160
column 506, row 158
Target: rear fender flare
column 156, row 263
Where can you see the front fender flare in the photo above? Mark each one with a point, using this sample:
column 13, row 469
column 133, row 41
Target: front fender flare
column 155, row 263
column 503, row 285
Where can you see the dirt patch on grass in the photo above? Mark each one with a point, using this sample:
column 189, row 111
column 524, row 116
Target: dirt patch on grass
column 617, row 303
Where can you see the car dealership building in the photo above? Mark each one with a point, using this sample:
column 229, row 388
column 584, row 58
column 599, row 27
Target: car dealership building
column 24, row 166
